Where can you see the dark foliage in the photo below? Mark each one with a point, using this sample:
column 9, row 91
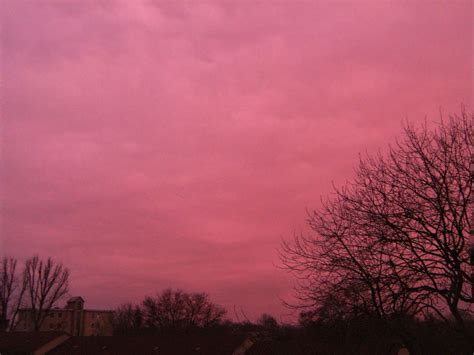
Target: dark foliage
column 169, row 311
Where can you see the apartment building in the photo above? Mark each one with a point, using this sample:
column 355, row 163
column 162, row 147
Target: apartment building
column 72, row 319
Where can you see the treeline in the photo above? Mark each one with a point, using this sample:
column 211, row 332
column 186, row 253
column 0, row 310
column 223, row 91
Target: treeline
column 169, row 311
column 176, row 311
column 40, row 284
column 359, row 335
column 173, row 312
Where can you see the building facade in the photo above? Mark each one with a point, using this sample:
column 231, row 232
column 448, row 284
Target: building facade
column 72, row 319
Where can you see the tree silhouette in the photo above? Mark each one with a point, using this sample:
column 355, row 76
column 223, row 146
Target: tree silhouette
column 46, row 282
column 11, row 292
column 399, row 231
column 127, row 317
column 177, row 310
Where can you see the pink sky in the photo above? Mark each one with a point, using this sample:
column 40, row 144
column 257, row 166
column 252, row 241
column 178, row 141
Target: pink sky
column 174, row 144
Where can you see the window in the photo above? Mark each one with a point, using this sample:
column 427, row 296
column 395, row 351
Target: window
column 51, row 315
column 60, row 315
column 50, row 325
column 92, row 325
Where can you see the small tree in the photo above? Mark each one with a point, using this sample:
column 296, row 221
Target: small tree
column 176, row 310
column 46, row 282
column 11, row 292
column 127, row 317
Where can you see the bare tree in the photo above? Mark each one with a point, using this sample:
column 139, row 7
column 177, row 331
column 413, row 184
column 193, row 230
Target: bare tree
column 419, row 196
column 11, row 292
column 127, row 317
column 399, row 230
column 343, row 270
column 46, row 282
column 177, row 310
column 8, row 283
column 7, row 288
column 201, row 312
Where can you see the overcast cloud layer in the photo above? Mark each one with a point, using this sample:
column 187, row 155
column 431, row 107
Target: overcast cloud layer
column 175, row 143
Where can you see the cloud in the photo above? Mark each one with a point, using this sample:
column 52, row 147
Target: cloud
column 156, row 144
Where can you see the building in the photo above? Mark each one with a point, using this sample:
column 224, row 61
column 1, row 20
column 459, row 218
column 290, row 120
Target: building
column 72, row 319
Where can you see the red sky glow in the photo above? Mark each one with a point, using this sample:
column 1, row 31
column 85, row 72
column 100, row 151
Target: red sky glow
column 155, row 144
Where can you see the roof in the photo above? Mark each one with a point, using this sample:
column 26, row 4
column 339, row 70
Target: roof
column 77, row 298
column 99, row 310
column 209, row 344
column 25, row 342
column 288, row 347
column 69, row 310
column 49, row 310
